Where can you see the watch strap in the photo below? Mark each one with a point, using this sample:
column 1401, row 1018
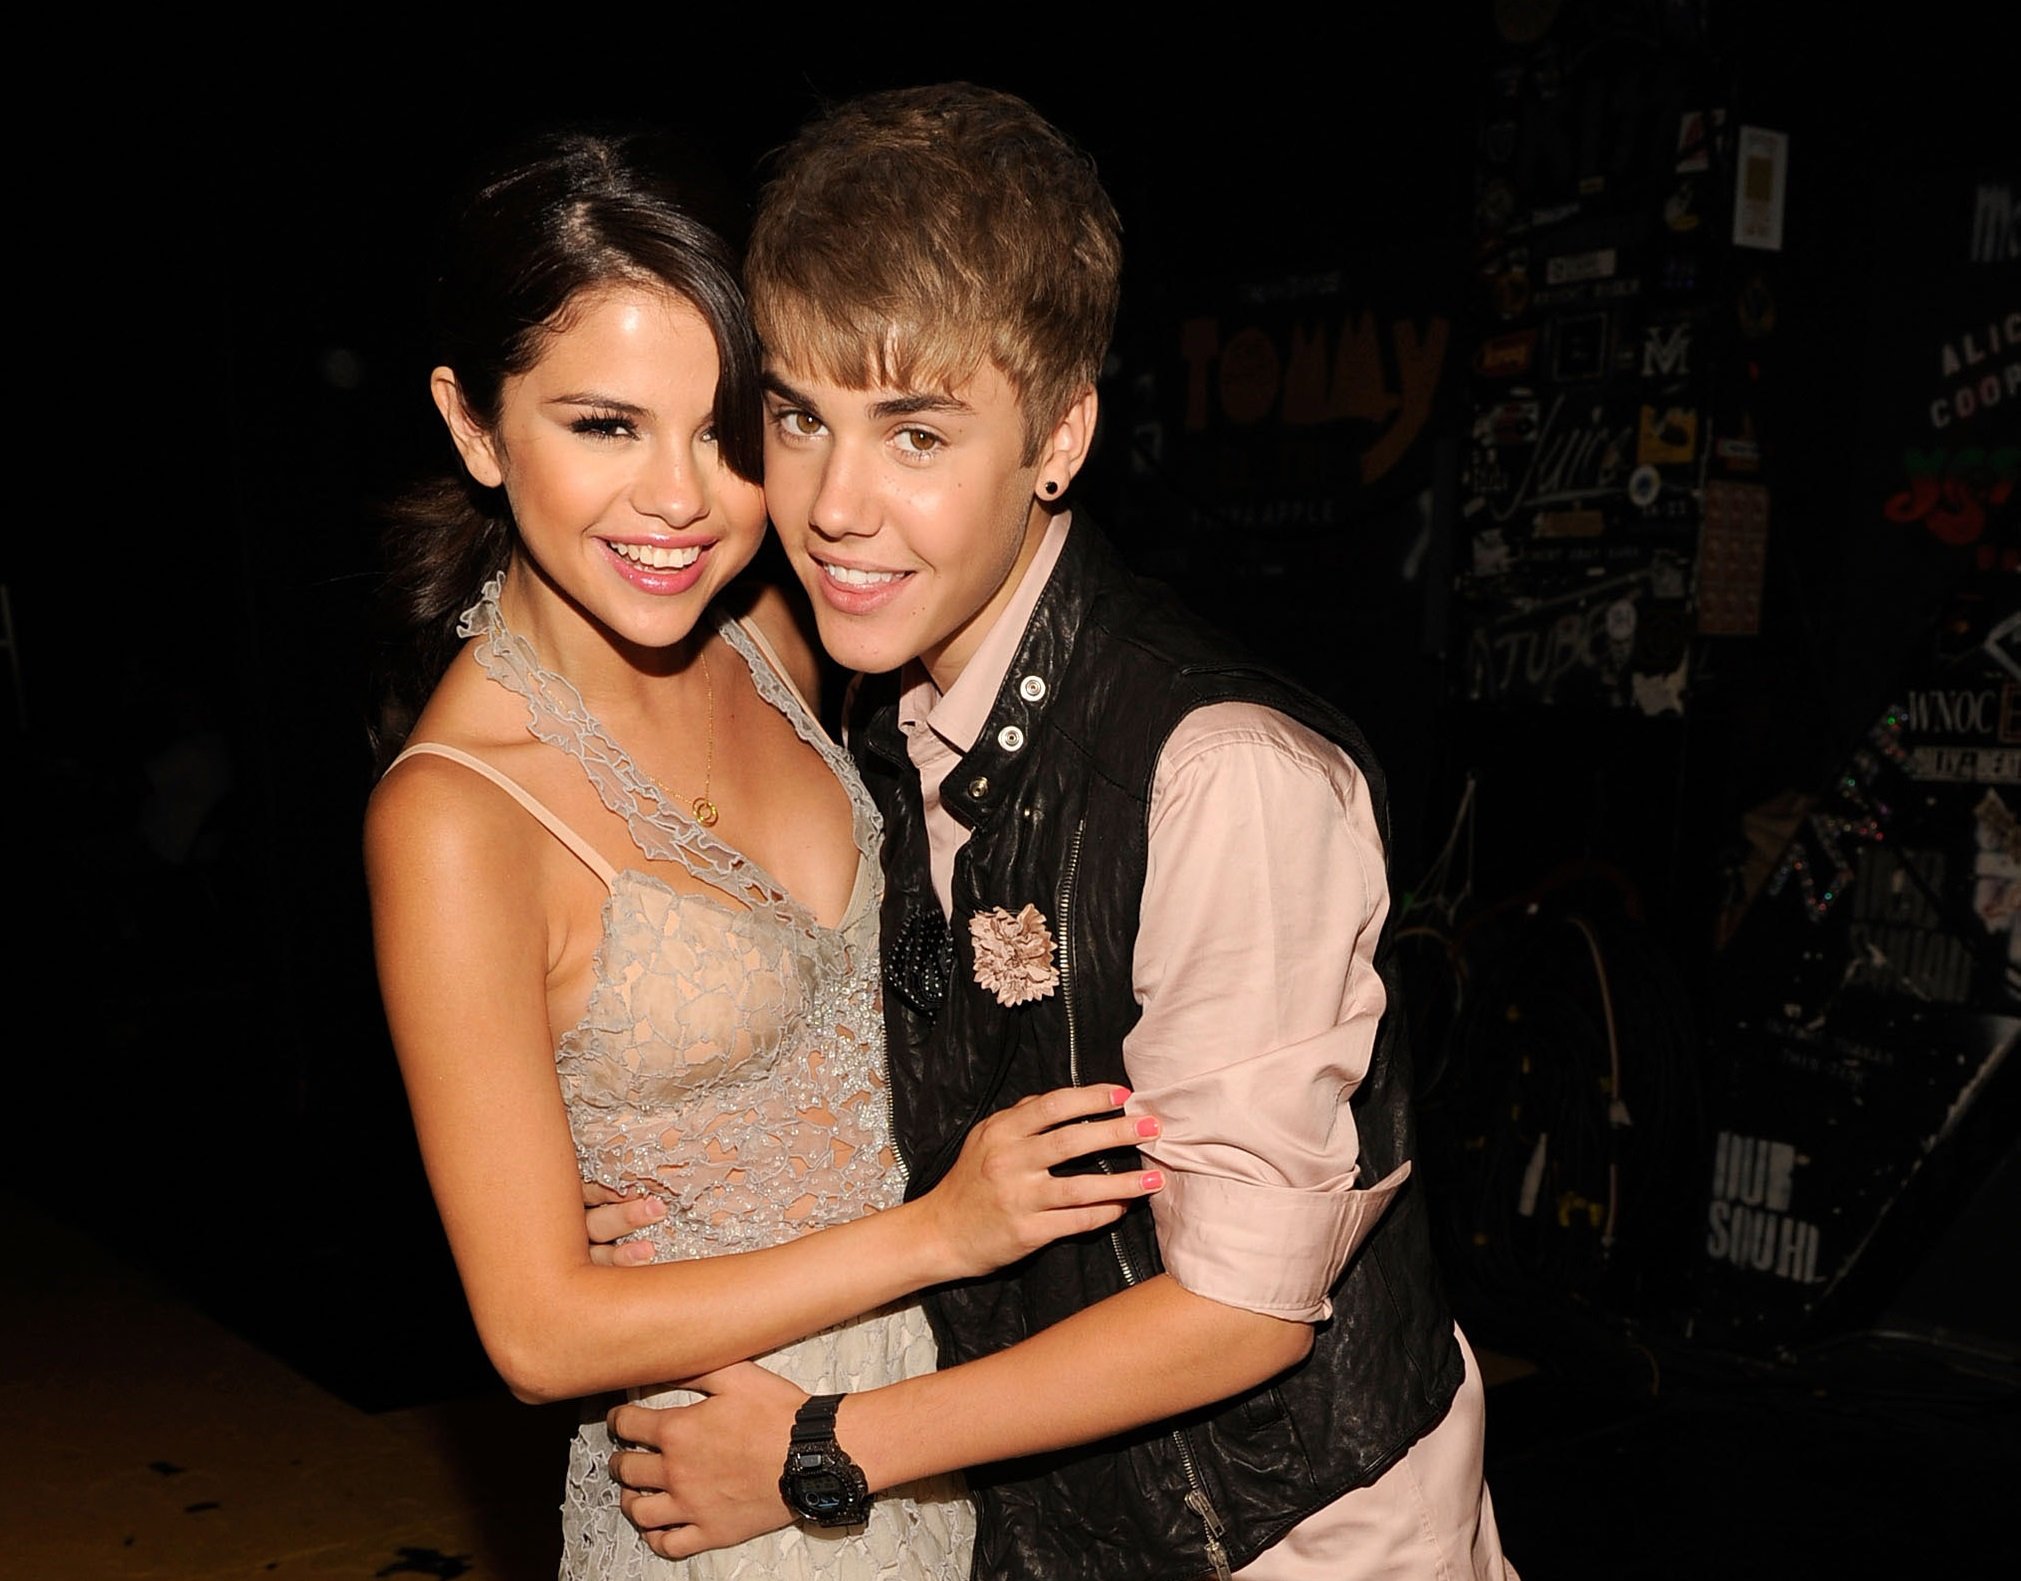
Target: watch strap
column 814, row 1422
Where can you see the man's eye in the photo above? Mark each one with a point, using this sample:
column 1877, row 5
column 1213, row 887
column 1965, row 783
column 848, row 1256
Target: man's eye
column 799, row 424
column 922, row 440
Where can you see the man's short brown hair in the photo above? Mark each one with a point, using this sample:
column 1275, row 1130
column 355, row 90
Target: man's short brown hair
column 906, row 236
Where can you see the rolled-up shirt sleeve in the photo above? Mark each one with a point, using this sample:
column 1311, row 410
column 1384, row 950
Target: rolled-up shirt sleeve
column 1264, row 896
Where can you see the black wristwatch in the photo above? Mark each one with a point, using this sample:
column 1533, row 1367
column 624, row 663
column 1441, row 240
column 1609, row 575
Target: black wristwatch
column 821, row 1483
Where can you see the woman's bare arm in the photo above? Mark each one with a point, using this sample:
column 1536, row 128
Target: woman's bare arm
column 464, row 954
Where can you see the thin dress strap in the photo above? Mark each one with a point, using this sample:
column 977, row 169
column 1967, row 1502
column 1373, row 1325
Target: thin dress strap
column 549, row 819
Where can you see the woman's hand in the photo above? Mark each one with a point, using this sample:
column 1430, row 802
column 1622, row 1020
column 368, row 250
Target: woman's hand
column 607, row 1215
column 1001, row 1200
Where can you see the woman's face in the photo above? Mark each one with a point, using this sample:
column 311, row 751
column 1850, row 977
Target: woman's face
column 606, row 450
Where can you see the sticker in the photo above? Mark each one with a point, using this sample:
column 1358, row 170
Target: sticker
column 1570, row 524
column 1739, row 451
column 1621, row 620
column 1579, row 347
column 1506, row 356
column 1996, row 868
column 1694, row 142
column 1507, row 423
column 1972, row 348
column 1760, row 187
column 1680, row 209
column 1755, row 308
column 1524, row 21
column 1669, row 437
column 1496, row 203
column 2003, row 645
column 1732, row 557
column 1661, row 694
column 1511, row 291
column 1644, row 484
column 1568, row 268
column 1666, row 350
column 1996, row 224
column 1680, row 275
column 1491, row 553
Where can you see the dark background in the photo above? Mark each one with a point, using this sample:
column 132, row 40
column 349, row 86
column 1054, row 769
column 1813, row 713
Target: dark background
column 241, row 376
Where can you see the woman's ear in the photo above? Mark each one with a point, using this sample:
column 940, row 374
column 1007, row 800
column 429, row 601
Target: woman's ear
column 473, row 440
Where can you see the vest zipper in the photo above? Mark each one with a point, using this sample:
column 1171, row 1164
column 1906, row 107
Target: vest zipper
column 1196, row 1497
column 891, row 1130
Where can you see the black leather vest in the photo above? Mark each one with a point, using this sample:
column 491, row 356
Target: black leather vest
column 1056, row 793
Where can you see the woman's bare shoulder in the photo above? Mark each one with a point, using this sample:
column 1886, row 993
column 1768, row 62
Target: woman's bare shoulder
column 782, row 617
column 431, row 807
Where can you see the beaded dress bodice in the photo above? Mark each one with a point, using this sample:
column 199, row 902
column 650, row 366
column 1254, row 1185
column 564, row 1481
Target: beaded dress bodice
column 731, row 1056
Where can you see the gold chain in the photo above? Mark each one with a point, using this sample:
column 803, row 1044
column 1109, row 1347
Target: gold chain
column 705, row 810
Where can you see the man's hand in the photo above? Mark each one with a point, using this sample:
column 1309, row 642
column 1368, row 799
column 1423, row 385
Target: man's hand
column 707, row 1475
column 607, row 1216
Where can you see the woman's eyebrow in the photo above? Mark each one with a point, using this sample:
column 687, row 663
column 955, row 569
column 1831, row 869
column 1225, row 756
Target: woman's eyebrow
column 592, row 398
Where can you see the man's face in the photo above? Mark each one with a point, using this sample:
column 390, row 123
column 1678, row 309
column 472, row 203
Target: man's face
column 909, row 515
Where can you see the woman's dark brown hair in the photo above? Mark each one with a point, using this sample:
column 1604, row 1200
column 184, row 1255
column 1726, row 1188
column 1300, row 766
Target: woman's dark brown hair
column 570, row 212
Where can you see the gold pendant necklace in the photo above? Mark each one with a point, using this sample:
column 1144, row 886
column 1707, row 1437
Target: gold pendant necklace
column 704, row 810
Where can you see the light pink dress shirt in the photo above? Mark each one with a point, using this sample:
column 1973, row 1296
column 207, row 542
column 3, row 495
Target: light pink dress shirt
column 1264, row 897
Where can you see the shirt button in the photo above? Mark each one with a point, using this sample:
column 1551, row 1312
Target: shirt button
column 1010, row 738
column 1032, row 688
column 978, row 787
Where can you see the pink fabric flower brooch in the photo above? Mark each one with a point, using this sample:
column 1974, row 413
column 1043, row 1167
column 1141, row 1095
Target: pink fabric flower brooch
column 1013, row 955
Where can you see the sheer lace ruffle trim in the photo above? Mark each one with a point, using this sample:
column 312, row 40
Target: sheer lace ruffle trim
column 662, row 829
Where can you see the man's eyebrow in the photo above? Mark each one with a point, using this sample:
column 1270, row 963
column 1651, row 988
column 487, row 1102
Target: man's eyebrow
column 774, row 385
column 908, row 405
column 913, row 405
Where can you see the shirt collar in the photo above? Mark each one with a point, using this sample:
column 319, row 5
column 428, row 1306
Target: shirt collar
column 958, row 715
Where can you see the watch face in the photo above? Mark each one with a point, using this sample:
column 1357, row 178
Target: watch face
column 822, row 1493
column 824, row 1487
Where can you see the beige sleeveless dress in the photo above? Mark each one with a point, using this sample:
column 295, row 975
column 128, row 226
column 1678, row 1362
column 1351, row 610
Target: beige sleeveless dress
column 721, row 1036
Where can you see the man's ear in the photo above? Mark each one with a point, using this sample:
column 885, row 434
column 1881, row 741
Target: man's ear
column 473, row 440
column 1068, row 447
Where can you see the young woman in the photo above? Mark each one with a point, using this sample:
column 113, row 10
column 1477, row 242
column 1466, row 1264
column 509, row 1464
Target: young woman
column 625, row 890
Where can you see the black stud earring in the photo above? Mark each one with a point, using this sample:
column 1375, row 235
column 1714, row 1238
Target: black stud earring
column 1052, row 487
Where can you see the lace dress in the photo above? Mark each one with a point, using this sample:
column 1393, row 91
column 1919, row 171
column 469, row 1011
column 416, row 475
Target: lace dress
column 731, row 1061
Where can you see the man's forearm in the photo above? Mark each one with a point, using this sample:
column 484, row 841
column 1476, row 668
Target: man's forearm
column 1147, row 1353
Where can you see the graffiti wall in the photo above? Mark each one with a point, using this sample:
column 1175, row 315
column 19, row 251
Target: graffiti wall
column 1612, row 503
column 1285, row 407
column 1868, row 1002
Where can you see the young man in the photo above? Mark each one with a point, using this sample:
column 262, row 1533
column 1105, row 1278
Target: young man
column 1115, row 850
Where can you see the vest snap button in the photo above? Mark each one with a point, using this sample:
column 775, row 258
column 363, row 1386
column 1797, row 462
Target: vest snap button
column 1032, row 688
column 978, row 787
column 1010, row 738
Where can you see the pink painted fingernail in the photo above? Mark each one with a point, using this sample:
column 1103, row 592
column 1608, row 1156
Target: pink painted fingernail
column 1154, row 1179
column 1119, row 1096
column 1147, row 1126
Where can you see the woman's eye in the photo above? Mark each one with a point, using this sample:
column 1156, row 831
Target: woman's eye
column 602, row 427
